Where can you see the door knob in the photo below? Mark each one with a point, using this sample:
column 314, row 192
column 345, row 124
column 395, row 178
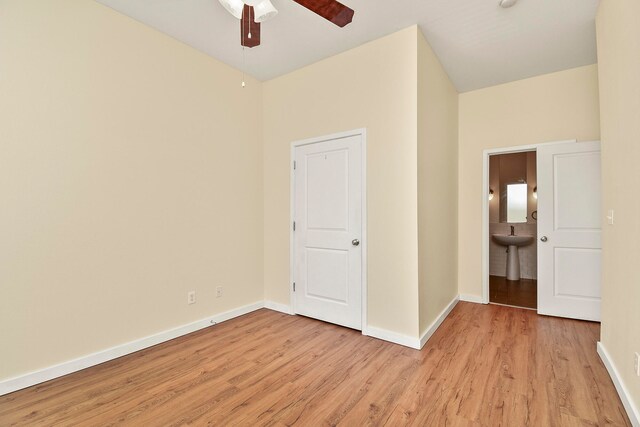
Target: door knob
column 543, row 239
column 355, row 242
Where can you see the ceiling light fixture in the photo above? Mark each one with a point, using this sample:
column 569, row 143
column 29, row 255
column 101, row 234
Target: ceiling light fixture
column 252, row 13
column 263, row 9
column 234, row 7
column 507, row 3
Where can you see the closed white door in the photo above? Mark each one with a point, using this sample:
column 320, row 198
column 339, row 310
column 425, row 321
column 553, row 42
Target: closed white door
column 569, row 230
column 328, row 224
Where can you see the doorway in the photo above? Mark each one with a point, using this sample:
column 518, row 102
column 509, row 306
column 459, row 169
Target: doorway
column 513, row 229
column 568, row 238
column 328, row 240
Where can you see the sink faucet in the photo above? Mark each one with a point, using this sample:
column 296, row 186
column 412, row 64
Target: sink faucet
column 513, row 233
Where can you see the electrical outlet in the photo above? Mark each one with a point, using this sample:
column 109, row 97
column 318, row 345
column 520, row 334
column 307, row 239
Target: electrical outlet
column 218, row 291
column 636, row 364
column 610, row 217
column 191, row 297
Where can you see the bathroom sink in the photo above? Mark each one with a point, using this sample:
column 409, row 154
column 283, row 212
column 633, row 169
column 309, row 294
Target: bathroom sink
column 508, row 240
column 513, row 259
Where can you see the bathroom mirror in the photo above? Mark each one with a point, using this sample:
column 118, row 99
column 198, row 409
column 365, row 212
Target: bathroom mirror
column 516, row 203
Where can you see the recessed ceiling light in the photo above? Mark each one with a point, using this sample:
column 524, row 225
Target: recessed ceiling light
column 507, row 3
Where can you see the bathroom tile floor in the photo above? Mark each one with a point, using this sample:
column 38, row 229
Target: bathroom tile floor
column 520, row 293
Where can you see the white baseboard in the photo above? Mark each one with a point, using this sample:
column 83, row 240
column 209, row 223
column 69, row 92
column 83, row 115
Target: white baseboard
column 408, row 341
column 49, row 373
column 471, row 298
column 36, row 377
column 276, row 306
column 436, row 323
column 393, row 337
column 632, row 410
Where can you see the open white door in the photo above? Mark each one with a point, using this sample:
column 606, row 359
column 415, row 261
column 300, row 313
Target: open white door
column 328, row 228
column 569, row 230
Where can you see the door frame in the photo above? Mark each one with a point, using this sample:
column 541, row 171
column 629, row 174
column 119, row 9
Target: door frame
column 362, row 132
column 485, row 203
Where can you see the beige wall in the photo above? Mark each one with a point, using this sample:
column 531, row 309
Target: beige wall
column 437, row 186
column 619, row 70
column 372, row 87
column 552, row 107
column 130, row 173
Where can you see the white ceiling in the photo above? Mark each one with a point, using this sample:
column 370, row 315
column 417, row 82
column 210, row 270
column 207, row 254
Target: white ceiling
column 478, row 43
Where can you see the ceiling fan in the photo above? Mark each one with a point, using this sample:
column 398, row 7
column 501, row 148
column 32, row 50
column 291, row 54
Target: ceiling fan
column 252, row 13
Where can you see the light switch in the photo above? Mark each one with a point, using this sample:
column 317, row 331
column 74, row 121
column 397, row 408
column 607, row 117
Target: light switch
column 610, row 217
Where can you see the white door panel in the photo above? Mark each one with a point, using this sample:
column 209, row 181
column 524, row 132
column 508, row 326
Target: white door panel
column 328, row 190
column 575, row 270
column 569, row 230
column 328, row 217
column 577, row 191
column 327, row 284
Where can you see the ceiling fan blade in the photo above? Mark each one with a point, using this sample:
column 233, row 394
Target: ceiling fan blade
column 249, row 28
column 330, row 10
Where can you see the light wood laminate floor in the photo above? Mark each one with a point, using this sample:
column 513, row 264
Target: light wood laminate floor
column 486, row 365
